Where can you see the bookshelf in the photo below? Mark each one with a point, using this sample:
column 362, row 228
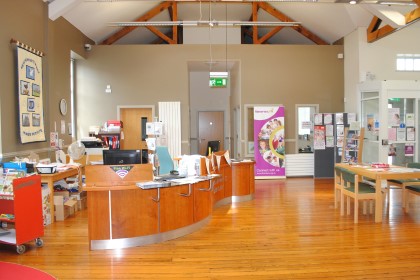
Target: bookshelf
column 352, row 145
column 21, row 210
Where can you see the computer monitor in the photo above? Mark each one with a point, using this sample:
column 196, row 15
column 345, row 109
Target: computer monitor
column 213, row 145
column 116, row 157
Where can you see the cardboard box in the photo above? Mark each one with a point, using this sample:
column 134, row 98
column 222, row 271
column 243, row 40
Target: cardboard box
column 82, row 204
column 78, row 195
column 64, row 205
column 81, row 198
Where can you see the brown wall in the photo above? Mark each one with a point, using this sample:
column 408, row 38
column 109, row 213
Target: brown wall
column 27, row 22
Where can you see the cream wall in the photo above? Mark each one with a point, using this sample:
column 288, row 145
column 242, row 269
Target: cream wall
column 378, row 58
column 145, row 75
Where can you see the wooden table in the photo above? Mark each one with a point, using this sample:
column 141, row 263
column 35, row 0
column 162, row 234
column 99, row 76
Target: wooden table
column 380, row 175
column 54, row 177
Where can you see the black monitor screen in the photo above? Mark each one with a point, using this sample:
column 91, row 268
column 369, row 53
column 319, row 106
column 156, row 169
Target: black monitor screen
column 115, row 157
column 213, row 145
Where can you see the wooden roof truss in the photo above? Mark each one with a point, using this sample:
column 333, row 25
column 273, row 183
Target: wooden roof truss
column 376, row 32
column 172, row 38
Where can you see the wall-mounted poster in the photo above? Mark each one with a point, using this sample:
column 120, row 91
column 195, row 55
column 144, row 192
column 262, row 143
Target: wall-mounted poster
column 328, row 119
column 319, row 137
column 269, row 144
column 31, row 112
column 411, row 133
column 409, row 150
column 339, row 118
column 318, row 119
column 409, row 119
column 394, row 116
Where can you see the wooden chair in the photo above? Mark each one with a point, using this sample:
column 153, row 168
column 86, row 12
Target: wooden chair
column 338, row 186
column 410, row 189
column 354, row 188
column 392, row 184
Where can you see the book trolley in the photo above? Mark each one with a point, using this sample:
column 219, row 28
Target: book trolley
column 21, row 212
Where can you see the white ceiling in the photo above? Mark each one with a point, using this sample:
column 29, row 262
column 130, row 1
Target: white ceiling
column 328, row 20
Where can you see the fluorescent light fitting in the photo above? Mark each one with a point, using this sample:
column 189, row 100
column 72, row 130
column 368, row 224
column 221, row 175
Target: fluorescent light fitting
column 219, row 74
column 205, row 23
column 396, row 3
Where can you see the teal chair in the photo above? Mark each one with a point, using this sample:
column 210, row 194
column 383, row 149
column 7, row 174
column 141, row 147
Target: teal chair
column 412, row 189
column 338, row 185
column 392, row 184
column 166, row 163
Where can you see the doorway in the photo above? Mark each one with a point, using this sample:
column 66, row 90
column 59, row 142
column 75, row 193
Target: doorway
column 210, row 128
column 134, row 126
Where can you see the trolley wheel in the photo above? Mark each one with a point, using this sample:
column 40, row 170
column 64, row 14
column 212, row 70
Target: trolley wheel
column 39, row 242
column 20, row 249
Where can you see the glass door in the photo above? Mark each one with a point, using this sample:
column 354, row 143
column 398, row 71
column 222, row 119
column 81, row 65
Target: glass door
column 370, row 121
column 401, row 130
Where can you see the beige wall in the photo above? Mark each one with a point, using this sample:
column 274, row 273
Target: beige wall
column 146, row 74
column 27, row 22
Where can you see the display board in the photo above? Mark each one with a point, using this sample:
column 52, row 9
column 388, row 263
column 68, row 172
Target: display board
column 329, row 129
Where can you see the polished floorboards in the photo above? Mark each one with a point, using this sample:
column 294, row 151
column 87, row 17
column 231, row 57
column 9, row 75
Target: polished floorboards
column 289, row 231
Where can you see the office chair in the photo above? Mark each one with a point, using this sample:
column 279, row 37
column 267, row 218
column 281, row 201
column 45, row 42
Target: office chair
column 165, row 161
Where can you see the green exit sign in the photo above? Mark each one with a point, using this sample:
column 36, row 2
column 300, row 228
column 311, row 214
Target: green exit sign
column 218, row 82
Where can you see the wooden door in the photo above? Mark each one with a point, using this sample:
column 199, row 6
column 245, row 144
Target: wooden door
column 210, row 128
column 133, row 119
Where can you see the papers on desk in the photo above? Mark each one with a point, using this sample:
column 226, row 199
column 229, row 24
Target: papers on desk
column 175, row 182
column 153, row 184
column 403, row 170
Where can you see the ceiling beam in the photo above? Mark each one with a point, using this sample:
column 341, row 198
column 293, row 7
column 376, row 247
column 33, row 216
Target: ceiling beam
column 255, row 8
column 374, row 32
column 125, row 30
column 302, row 30
column 413, row 15
column 387, row 14
column 158, row 33
column 270, row 34
column 173, row 11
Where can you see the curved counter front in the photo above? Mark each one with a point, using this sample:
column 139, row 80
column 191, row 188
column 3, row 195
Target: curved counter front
column 123, row 214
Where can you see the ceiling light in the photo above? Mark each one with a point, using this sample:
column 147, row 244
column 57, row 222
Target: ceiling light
column 352, row 2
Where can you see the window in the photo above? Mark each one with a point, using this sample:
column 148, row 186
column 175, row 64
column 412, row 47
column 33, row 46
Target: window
column 408, row 62
column 304, row 122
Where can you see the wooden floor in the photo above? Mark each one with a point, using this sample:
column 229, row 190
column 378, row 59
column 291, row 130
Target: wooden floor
column 290, row 231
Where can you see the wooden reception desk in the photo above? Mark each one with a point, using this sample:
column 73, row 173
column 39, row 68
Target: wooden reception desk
column 121, row 214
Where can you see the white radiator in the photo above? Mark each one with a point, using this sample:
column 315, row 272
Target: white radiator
column 170, row 116
column 299, row 165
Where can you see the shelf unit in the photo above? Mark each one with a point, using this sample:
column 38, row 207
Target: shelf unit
column 353, row 145
column 25, row 204
column 110, row 139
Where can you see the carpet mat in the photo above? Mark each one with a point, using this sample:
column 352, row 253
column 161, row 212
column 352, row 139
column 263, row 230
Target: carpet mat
column 12, row 271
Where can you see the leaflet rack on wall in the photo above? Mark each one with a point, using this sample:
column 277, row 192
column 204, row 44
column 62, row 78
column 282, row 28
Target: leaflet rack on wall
column 21, row 209
column 352, row 145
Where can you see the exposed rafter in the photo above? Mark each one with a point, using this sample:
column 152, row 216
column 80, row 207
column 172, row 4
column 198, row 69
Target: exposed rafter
column 149, row 15
column 172, row 8
column 375, row 32
column 302, row 30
